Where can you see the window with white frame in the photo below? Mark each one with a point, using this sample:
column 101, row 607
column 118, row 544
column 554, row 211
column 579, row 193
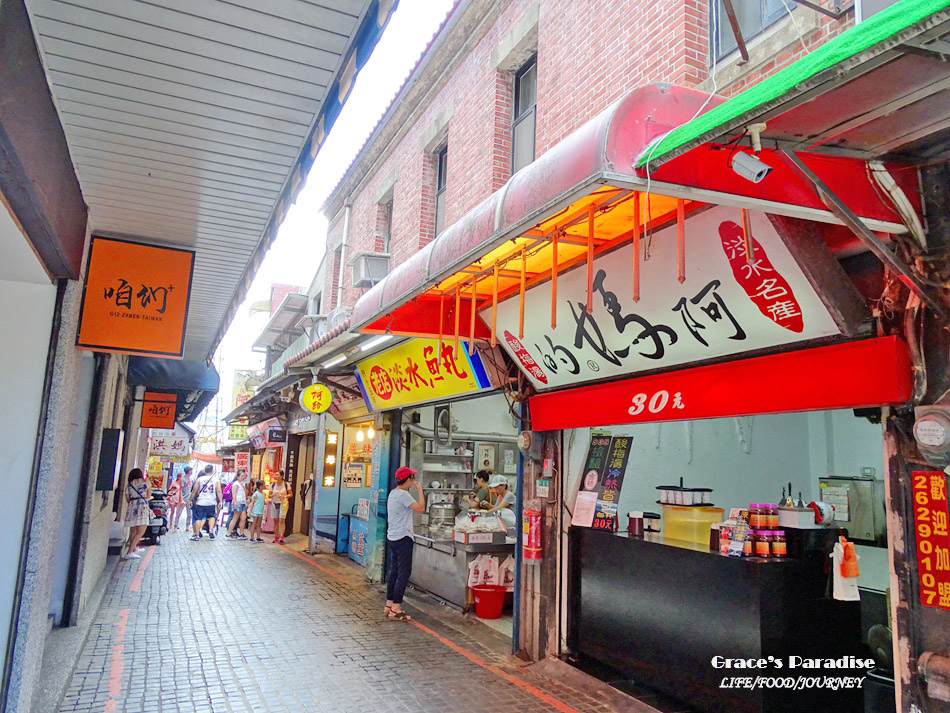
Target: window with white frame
column 441, row 160
column 523, row 126
column 754, row 17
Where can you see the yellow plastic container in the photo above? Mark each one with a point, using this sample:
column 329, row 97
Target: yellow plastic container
column 690, row 524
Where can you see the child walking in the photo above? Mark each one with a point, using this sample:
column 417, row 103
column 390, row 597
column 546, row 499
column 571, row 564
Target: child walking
column 256, row 508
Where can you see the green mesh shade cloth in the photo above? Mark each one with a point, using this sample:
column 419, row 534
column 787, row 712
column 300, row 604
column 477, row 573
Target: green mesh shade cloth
column 878, row 28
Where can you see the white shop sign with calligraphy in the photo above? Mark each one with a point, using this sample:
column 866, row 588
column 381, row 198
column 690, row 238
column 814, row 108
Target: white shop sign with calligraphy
column 168, row 442
column 727, row 305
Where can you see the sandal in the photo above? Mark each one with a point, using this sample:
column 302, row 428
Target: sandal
column 387, row 610
column 399, row 616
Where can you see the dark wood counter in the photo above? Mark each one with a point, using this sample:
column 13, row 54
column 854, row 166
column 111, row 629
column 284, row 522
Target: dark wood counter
column 658, row 614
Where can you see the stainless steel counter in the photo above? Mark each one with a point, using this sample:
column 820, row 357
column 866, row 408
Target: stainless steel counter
column 440, row 567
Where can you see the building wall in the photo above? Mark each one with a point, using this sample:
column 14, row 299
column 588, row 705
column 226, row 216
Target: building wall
column 25, row 332
column 590, row 54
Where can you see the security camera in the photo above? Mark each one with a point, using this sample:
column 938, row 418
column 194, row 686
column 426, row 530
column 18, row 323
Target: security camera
column 750, row 167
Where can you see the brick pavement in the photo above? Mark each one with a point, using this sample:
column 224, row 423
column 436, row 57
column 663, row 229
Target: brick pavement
column 236, row 626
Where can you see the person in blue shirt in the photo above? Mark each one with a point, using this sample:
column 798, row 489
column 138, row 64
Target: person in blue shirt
column 400, row 506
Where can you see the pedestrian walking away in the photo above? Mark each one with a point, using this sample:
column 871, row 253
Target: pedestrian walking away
column 257, row 505
column 137, row 494
column 187, row 483
column 400, row 506
column 205, row 499
column 280, row 495
column 176, row 501
column 237, row 520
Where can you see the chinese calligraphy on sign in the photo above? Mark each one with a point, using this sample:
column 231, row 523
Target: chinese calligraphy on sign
column 601, row 481
column 136, row 298
column 418, row 371
column 932, row 532
column 728, row 304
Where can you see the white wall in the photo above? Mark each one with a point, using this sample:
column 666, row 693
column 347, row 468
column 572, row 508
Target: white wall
column 744, row 460
column 26, row 313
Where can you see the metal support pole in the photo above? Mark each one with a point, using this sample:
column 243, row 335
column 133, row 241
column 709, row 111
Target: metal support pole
column 857, row 226
column 590, row 259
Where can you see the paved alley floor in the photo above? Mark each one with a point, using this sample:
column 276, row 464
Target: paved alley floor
column 236, row 626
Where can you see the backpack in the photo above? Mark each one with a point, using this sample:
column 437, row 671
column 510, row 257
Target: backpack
column 226, row 494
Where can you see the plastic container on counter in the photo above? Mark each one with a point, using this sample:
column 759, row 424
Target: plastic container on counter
column 690, row 524
column 762, row 543
column 771, row 515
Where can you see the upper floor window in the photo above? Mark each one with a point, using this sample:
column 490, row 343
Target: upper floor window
column 754, row 17
column 386, row 222
column 441, row 159
column 523, row 127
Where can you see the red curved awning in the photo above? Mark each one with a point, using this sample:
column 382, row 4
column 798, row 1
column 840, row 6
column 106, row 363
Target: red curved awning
column 592, row 169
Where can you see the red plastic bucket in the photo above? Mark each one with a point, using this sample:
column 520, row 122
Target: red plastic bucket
column 489, row 600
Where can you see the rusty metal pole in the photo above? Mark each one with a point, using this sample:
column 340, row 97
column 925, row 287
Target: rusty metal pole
column 554, row 269
column 681, row 240
column 636, row 248
column 524, row 265
column 471, row 329
column 590, row 259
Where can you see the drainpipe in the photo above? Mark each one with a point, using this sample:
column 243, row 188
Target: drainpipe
column 346, row 234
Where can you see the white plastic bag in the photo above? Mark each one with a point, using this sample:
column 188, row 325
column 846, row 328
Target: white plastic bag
column 507, row 573
column 491, row 571
column 476, row 571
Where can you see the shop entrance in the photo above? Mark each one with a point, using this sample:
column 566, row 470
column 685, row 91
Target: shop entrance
column 686, row 601
column 341, row 500
column 462, row 543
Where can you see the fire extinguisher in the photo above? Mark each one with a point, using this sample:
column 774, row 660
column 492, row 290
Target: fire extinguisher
column 531, row 540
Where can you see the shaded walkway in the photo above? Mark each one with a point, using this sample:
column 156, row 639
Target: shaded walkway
column 236, row 626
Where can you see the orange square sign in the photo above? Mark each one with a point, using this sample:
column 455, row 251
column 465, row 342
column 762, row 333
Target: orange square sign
column 158, row 410
column 136, row 298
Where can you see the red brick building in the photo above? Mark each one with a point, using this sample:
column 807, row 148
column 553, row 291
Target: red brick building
column 588, row 54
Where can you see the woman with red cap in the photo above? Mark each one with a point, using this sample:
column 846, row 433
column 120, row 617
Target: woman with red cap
column 399, row 507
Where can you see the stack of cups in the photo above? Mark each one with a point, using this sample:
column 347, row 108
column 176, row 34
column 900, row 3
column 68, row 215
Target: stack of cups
column 635, row 523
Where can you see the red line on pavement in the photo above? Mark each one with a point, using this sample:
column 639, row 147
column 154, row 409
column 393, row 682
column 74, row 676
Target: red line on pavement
column 117, row 665
column 320, row 567
column 137, row 581
column 536, row 692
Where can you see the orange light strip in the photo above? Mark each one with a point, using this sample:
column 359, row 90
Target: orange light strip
column 636, row 248
column 524, row 265
column 471, row 328
column 747, row 236
column 590, row 259
column 494, row 303
column 458, row 308
column 681, row 239
column 554, row 269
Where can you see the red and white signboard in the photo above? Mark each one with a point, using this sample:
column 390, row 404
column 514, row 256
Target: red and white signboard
column 727, row 305
column 933, row 537
column 872, row 372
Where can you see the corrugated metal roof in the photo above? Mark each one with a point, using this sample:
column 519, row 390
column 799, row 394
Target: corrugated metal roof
column 194, row 123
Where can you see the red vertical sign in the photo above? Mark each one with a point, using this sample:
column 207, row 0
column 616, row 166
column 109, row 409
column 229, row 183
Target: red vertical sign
column 933, row 537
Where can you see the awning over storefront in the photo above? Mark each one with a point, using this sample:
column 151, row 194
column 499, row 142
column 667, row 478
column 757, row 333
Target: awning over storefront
column 880, row 89
column 194, row 382
column 262, row 402
column 585, row 197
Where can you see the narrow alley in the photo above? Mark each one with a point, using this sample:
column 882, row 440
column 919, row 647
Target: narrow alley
column 234, row 626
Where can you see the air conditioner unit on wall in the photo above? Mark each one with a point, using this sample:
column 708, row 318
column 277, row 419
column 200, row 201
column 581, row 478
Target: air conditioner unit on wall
column 369, row 268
